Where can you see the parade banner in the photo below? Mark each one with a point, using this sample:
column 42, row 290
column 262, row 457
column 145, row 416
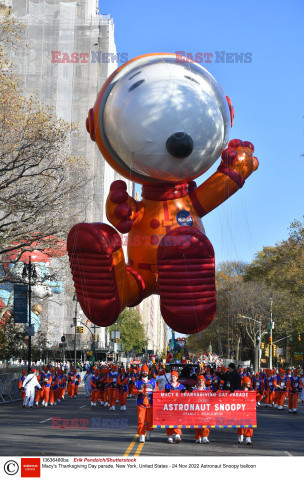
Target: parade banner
column 200, row 409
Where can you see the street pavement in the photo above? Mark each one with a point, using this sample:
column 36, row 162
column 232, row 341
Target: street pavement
column 74, row 428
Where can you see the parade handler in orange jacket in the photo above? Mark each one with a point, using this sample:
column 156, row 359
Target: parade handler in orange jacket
column 269, row 388
column 201, row 434
column 247, row 432
column 174, row 434
column 296, row 385
column 22, row 378
column 112, row 387
column 144, row 389
column 122, row 382
column 282, row 385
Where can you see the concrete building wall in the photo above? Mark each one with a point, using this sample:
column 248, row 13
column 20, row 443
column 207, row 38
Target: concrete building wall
column 71, row 88
column 155, row 328
column 54, row 30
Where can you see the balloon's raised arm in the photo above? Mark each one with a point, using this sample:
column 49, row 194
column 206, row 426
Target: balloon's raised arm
column 237, row 164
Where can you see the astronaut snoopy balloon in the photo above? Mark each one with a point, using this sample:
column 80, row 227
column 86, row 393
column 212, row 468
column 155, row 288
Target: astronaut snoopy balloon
column 160, row 122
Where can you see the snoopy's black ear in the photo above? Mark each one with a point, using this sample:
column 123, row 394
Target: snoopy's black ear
column 231, row 110
column 90, row 124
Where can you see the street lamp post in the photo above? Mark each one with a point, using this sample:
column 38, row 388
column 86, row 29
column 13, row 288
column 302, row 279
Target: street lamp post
column 93, row 335
column 75, row 327
column 94, row 342
column 270, row 336
column 30, row 272
column 260, row 334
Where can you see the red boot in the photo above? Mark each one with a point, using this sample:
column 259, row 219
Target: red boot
column 186, row 280
column 103, row 282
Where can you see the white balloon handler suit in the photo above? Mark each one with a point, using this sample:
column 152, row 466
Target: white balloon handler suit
column 29, row 384
column 87, row 383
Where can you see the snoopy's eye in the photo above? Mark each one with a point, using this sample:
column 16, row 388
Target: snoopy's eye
column 192, row 79
column 135, row 85
column 137, row 73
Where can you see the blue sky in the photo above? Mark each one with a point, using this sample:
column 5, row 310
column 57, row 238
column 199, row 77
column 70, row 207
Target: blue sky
column 267, row 95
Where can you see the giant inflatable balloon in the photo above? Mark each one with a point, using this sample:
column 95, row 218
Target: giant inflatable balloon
column 161, row 122
column 45, row 285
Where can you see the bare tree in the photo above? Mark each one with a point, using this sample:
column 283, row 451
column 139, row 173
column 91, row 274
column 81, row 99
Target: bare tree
column 41, row 180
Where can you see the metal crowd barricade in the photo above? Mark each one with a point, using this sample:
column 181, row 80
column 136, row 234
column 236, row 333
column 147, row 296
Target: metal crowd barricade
column 9, row 388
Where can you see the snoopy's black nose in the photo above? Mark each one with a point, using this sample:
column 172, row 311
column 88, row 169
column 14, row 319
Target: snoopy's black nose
column 179, row 145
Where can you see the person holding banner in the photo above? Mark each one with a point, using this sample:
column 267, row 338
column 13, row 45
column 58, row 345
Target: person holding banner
column 201, row 434
column 174, row 434
column 144, row 389
column 247, row 432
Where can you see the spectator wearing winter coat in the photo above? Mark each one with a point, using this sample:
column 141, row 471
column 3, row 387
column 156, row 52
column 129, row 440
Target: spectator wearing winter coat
column 232, row 379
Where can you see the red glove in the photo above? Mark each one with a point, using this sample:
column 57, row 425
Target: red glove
column 238, row 161
column 120, row 207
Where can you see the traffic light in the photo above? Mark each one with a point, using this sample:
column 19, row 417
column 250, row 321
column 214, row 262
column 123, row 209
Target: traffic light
column 116, row 339
column 274, row 350
column 96, row 337
column 299, row 337
column 267, row 351
column 262, row 345
column 79, row 329
column 270, row 340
